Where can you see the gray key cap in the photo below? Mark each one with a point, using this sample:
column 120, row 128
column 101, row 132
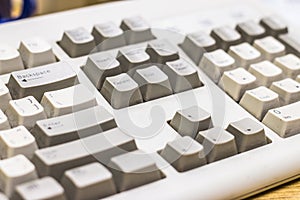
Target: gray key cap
column 248, row 134
column 73, row 126
column 134, row 169
column 153, row 83
column 162, row 51
column 108, row 36
column 77, row 42
column 292, row 44
column 196, row 44
column 273, row 25
column 226, row 36
column 136, row 30
column 250, row 31
column 99, row 66
column 101, row 147
column 91, row 181
column 184, row 154
column 182, row 75
column 218, row 144
column 44, row 188
column 36, row 81
column 131, row 57
column 121, row 91
column 190, row 121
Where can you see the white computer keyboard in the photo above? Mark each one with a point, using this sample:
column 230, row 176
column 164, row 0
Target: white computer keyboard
column 150, row 100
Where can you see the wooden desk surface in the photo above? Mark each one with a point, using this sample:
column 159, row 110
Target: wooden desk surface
column 286, row 191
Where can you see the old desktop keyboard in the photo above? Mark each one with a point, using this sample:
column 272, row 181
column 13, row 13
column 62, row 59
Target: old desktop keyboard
column 150, row 100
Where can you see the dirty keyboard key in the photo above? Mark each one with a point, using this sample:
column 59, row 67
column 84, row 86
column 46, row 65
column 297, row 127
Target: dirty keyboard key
column 215, row 63
column 153, row 83
column 15, row 170
column 10, row 59
column 25, row 111
column 182, row 75
column 248, row 134
column 236, row 82
column 189, row 121
column 44, row 188
column 250, row 31
column 136, row 30
column 226, row 36
column 161, row 51
column 77, row 42
column 4, row 124
column 5, row 96
column 108, row 36
column 273, row 25
column 266, row 73
column 290, row 65
column 292, row 44
column 218, row 144
column 36, row 52
column 99, row 66
column 91, row 181
column 288, row 90
column 244, row 54
column 54, row 161
column 284, row 120
column 68, row 100
column 58, row 130
column 134, row 169
column 259, row 100
column 17, row 141
column 184, row 154
column 121, row 91
column 131, row 57
column 196, row 44
column 269, row 47
column 36, row 81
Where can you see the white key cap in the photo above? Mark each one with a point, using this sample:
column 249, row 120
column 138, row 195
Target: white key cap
column 184, row 154
column 236, row 82
column 25, row 111
column 215, row 63
column 108, row 36
column 58, row 130
column 218, row 144
column 3, row 196
column 153, row 83
column 44, row 188
column 290, row 65
column 269, row 47
column 131, row 58
column 226, row 36
column 162, row 51
column 288, row 90
column 134, row 169
column 68, row 100
column 136, row 30
column 54, row 161
column 17, row 141
column 36, row 52
column 91, row 181
column 121, row 91
column 244, row 55
column 250, row 31
column 284, row 120
column 248, row 134
column 274, row 25
column 14, row 171
column 196, row 44
column 10, row 60
column 77, row 42
column 259, row 100
column 36, row 81
column 189, row 121
column 266, row 73
column 182, row 75
column 298, row 78
column 99, row 66
column 4, row 124
column 5, row 96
